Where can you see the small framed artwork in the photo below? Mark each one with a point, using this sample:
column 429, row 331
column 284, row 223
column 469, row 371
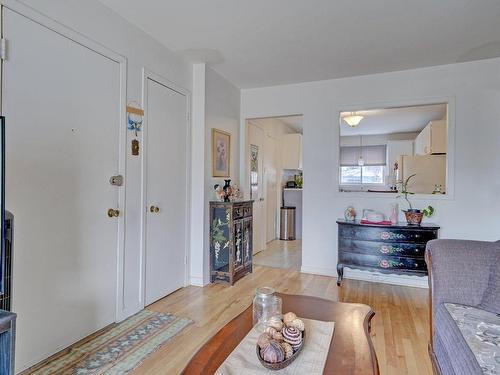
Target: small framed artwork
column 221, row 153
column 254, row 171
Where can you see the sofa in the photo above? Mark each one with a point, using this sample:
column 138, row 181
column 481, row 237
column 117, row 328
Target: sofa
column 464, row 282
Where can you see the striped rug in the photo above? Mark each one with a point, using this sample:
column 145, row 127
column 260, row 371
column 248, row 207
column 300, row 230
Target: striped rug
column 119, row 350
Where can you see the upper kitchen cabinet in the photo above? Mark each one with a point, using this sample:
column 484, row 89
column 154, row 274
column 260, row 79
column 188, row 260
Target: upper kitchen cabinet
column 432, row 139
column 292, row 151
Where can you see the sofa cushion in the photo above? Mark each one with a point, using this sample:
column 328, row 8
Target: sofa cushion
column 481, row 331
column 460, row 356
column 491, row 297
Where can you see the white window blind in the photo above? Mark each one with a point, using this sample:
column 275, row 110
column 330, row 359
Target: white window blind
column 372, row 155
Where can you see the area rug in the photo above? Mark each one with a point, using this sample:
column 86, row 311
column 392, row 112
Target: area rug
column 119, row 350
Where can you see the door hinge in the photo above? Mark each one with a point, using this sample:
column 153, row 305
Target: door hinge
column 3, row 49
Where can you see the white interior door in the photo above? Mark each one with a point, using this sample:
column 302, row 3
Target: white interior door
column 256, row 136
column 62, row 106
column 271, row 186
column 166, row 190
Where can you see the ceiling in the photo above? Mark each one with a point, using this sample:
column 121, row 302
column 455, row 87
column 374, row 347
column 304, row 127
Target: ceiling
column 394, row 120
column 263, row 43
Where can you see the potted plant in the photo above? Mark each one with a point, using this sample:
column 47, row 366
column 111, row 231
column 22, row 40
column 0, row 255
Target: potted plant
column 413, row 216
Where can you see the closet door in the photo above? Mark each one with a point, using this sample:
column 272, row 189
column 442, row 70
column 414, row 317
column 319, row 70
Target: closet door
column 166, row 190
column 61, row 101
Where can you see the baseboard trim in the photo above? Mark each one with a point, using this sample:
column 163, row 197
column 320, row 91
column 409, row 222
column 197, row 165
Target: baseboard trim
column 332, row 272
column 197, row 281
column 375, row 277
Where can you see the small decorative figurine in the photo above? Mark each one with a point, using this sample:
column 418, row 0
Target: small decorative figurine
column 228, row 192
column 350, row 214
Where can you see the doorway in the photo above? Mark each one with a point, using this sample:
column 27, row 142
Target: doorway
column 165, row 187
column 274, row 164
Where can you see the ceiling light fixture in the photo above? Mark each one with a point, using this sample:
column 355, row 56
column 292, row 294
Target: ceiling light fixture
column 353, row 119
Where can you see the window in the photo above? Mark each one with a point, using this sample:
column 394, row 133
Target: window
column 362, row 175
column 371, row 172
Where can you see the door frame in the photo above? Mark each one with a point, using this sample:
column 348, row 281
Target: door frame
column 148, row 74
column 121, row 60
column 261, row 242
column 276, row 150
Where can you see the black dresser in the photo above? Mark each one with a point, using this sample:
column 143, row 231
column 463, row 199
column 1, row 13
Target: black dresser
column 396, row 249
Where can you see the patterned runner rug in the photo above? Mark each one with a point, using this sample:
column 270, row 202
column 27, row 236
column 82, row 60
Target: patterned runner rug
column 119, row 350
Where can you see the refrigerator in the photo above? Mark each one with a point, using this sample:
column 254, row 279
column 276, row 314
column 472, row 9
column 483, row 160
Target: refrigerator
column 430, row 170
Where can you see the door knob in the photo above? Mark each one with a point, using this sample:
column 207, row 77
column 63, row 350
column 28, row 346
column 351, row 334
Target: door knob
column 154, row 209
column 113, row 213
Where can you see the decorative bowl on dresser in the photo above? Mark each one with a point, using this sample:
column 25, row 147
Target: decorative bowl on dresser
column 396, row 249
column 231, row 228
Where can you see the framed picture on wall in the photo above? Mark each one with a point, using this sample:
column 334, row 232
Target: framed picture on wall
column 254, row 171
column 221, row 153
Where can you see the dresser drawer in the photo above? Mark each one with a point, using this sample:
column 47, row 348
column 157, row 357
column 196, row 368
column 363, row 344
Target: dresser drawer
column 383, row 262
column 386, row 234
column 413, row 250
column 241, row 211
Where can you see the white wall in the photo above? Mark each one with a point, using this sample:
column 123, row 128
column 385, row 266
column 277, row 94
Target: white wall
column 222, row 111
column 198, row 146
column 475, row 90
column 103, row 26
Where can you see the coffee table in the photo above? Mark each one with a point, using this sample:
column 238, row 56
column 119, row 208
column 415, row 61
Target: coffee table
column 351, row 350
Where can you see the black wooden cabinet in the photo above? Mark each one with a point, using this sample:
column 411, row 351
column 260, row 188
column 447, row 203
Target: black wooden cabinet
column 7, row 342
column 397, row 249
column 231, row 248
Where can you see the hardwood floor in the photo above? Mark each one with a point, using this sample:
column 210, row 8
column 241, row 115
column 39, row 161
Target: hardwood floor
column 399, row 329
column 280, row 254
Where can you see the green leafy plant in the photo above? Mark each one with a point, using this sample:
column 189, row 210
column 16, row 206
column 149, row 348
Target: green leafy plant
column 405, row 192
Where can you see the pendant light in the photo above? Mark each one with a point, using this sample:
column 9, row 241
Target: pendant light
column 361, row 161
column 353, row 119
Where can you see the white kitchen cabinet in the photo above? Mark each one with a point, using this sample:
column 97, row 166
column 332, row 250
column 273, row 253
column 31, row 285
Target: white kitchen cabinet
column 433, row 139
column 292, row 151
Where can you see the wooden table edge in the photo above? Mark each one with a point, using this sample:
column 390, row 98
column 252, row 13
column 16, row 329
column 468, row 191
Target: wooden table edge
column 369, row 314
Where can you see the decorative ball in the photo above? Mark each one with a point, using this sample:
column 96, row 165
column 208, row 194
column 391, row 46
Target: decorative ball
column 263, row 340
column 288, row 349
column 278, row 336
column 276, row 323
column 289, row 317
column 273, row 352
column 292, row 336
column 297, row 323
column 270, row 331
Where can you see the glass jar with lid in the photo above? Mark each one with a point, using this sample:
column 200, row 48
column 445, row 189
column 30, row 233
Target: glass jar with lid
column 266, row 304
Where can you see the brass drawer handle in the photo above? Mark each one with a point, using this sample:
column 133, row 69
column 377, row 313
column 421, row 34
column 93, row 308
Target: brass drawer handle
column 154, row 209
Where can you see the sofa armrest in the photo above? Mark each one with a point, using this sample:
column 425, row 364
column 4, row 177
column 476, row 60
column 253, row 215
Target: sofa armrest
column 459, row 272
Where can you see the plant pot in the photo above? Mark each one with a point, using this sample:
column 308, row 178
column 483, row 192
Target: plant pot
column 413, row 217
